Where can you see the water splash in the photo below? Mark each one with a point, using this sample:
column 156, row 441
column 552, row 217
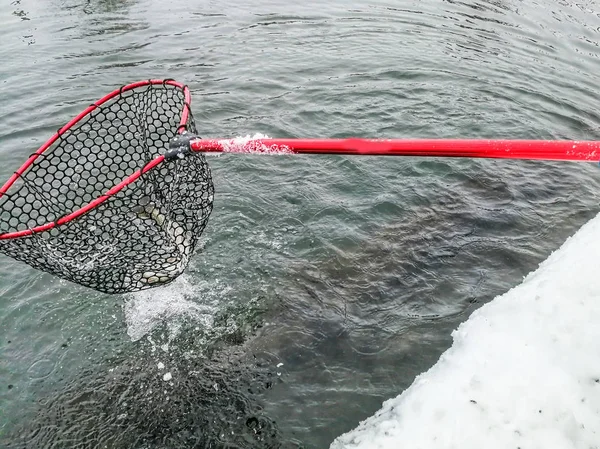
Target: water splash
column 172, row 305
column 252, row 144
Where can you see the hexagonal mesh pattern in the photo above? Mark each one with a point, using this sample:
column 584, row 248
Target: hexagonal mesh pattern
column 139, row 237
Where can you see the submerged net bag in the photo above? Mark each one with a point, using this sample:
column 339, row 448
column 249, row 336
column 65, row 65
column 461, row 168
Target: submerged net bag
column 100, row 205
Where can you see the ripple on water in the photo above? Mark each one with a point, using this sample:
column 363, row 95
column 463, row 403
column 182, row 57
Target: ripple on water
column 375, row 260
column 41, row 369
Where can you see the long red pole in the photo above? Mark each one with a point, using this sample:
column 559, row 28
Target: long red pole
column 565, row 150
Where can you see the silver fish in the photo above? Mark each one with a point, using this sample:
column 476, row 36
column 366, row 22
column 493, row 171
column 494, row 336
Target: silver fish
column 178, row 236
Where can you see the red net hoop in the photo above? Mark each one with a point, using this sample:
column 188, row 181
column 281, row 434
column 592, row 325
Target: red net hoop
column 99, row 205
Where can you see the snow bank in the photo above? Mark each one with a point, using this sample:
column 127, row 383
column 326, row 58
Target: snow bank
column 523, row 372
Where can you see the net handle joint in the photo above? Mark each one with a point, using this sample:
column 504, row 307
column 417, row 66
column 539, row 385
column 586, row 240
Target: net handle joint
column 180, row 146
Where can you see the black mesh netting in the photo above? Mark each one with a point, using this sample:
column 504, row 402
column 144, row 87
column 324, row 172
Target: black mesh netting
column 141, row 236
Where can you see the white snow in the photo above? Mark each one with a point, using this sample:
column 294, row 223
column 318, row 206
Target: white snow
column 523, row 371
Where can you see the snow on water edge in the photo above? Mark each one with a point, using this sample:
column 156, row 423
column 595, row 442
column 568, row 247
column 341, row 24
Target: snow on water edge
column 523, row 371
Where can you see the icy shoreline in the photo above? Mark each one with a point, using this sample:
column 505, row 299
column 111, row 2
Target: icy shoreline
column 523, row 371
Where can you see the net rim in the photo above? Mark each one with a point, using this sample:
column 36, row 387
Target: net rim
column 115, row 189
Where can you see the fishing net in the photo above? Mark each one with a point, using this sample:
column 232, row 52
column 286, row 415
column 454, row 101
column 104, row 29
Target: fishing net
column 100, row 205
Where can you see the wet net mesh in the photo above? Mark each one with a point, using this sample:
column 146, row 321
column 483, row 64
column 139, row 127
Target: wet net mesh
column 140, row 237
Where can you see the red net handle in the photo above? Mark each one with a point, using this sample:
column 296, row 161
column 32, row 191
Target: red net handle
column 559, row 150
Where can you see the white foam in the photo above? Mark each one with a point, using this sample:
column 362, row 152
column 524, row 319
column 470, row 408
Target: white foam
column 171, row 305
column 523, row 371
column 252, row 144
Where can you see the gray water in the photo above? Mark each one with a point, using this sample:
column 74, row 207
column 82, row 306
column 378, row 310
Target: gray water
column 351, row 271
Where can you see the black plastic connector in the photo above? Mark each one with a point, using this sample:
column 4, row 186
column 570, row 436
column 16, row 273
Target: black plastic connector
column 179, row 147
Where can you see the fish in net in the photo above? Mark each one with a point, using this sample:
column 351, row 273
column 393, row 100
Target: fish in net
column 100, row 205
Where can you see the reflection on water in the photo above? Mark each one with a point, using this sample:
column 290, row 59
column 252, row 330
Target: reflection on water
column 103, row 6
column 197, row 387
column 98, row 20
column 170, row 399
column 386, row 295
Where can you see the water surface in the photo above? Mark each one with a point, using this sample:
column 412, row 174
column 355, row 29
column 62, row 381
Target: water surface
column 352, row 272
